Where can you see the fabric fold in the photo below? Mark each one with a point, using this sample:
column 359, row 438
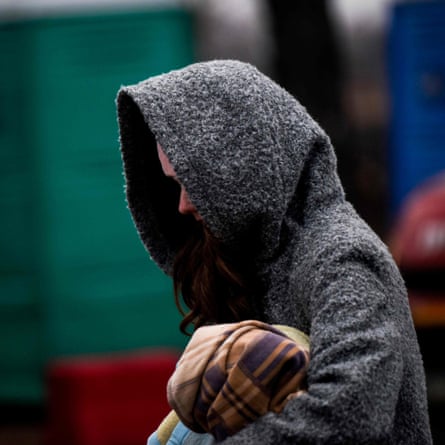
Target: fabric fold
column 231, row 374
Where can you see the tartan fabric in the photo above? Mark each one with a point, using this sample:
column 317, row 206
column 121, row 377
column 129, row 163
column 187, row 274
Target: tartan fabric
column 231, row 374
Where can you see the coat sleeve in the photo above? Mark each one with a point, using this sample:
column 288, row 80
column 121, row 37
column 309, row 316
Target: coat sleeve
column 356, row 364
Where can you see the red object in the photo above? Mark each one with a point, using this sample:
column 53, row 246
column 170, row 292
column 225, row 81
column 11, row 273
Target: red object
column 418, row 246
column 419, row 235
column 113, row 400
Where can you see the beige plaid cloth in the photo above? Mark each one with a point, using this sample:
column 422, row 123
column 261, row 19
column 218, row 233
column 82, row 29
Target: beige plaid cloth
column 231, row 374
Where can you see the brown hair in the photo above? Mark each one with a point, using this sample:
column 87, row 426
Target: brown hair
column 214, row 283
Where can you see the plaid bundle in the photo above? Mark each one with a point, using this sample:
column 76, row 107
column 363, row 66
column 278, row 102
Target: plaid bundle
column 231, row 374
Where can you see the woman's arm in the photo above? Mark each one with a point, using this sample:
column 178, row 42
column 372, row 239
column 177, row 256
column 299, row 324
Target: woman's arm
column 355, row 372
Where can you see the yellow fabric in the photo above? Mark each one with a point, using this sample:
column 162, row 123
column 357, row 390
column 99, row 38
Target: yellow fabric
column 294, row 334
column 166, row 427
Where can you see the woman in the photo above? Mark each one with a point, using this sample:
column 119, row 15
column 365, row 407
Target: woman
column 268, row 235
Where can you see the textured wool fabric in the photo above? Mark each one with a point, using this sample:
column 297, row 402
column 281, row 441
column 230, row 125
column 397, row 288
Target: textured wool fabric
column 262, row 173
column 231, row 374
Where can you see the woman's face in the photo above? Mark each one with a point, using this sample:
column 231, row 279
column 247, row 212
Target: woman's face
column 185, row 206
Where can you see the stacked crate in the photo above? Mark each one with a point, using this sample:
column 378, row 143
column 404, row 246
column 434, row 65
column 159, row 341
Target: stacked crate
column 74, row 277
column 417, row 87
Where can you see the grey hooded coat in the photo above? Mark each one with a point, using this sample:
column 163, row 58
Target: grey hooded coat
column 258, row 167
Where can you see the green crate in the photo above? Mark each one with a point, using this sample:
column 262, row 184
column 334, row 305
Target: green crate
column 21, row 347
column 74, row 276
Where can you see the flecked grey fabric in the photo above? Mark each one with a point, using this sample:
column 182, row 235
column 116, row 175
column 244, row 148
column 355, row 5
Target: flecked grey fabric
column 260, row 171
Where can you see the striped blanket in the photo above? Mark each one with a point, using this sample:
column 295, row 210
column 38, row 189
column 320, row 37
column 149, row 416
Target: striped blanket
column 231, row 374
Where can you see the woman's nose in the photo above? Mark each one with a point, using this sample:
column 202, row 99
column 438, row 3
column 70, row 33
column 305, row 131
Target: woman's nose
column 185, row 205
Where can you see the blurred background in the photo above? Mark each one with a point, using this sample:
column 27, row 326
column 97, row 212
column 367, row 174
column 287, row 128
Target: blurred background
column 88, row 328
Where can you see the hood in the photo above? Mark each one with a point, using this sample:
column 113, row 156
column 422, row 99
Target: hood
column 249, row 155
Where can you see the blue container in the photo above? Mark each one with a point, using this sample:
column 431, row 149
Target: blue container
column 417, row 89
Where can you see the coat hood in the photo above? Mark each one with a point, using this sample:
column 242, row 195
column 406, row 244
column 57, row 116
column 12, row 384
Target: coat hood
column 249, row 155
